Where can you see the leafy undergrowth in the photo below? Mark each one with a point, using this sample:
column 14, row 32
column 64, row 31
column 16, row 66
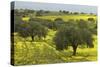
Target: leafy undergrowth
column 44, row 52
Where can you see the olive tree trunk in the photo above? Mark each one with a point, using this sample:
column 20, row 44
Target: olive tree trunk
column 74, row 49
column 32, row 38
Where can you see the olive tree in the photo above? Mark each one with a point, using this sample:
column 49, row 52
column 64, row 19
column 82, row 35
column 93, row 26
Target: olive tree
column 37, row 29
column 32, row 29
column 57, row 23
column 72, row 35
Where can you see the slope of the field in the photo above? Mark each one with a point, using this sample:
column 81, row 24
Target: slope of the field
column 43, row 51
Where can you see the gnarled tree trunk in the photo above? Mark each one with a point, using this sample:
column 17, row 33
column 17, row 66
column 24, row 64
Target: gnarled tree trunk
column 74, row 49
column 32, row 38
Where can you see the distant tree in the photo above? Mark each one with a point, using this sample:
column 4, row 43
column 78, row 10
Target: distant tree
column 91, row 13
column 83, row 13
column 58, row 19
column 93, row 25
column 44, row 22
column 39, row 13
column 76, row 13
column 60, row 11
column 67, row 12
column 31, row 11
column 91, row 19
column 47, row 11
column 64, row 11
column 58, row 22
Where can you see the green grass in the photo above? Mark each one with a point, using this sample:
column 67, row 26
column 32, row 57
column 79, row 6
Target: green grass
column 43, row 51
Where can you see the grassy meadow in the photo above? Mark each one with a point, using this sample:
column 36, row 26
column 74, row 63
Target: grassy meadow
column 41, row 52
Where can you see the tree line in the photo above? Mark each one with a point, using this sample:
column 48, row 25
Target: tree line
column 26, row 12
